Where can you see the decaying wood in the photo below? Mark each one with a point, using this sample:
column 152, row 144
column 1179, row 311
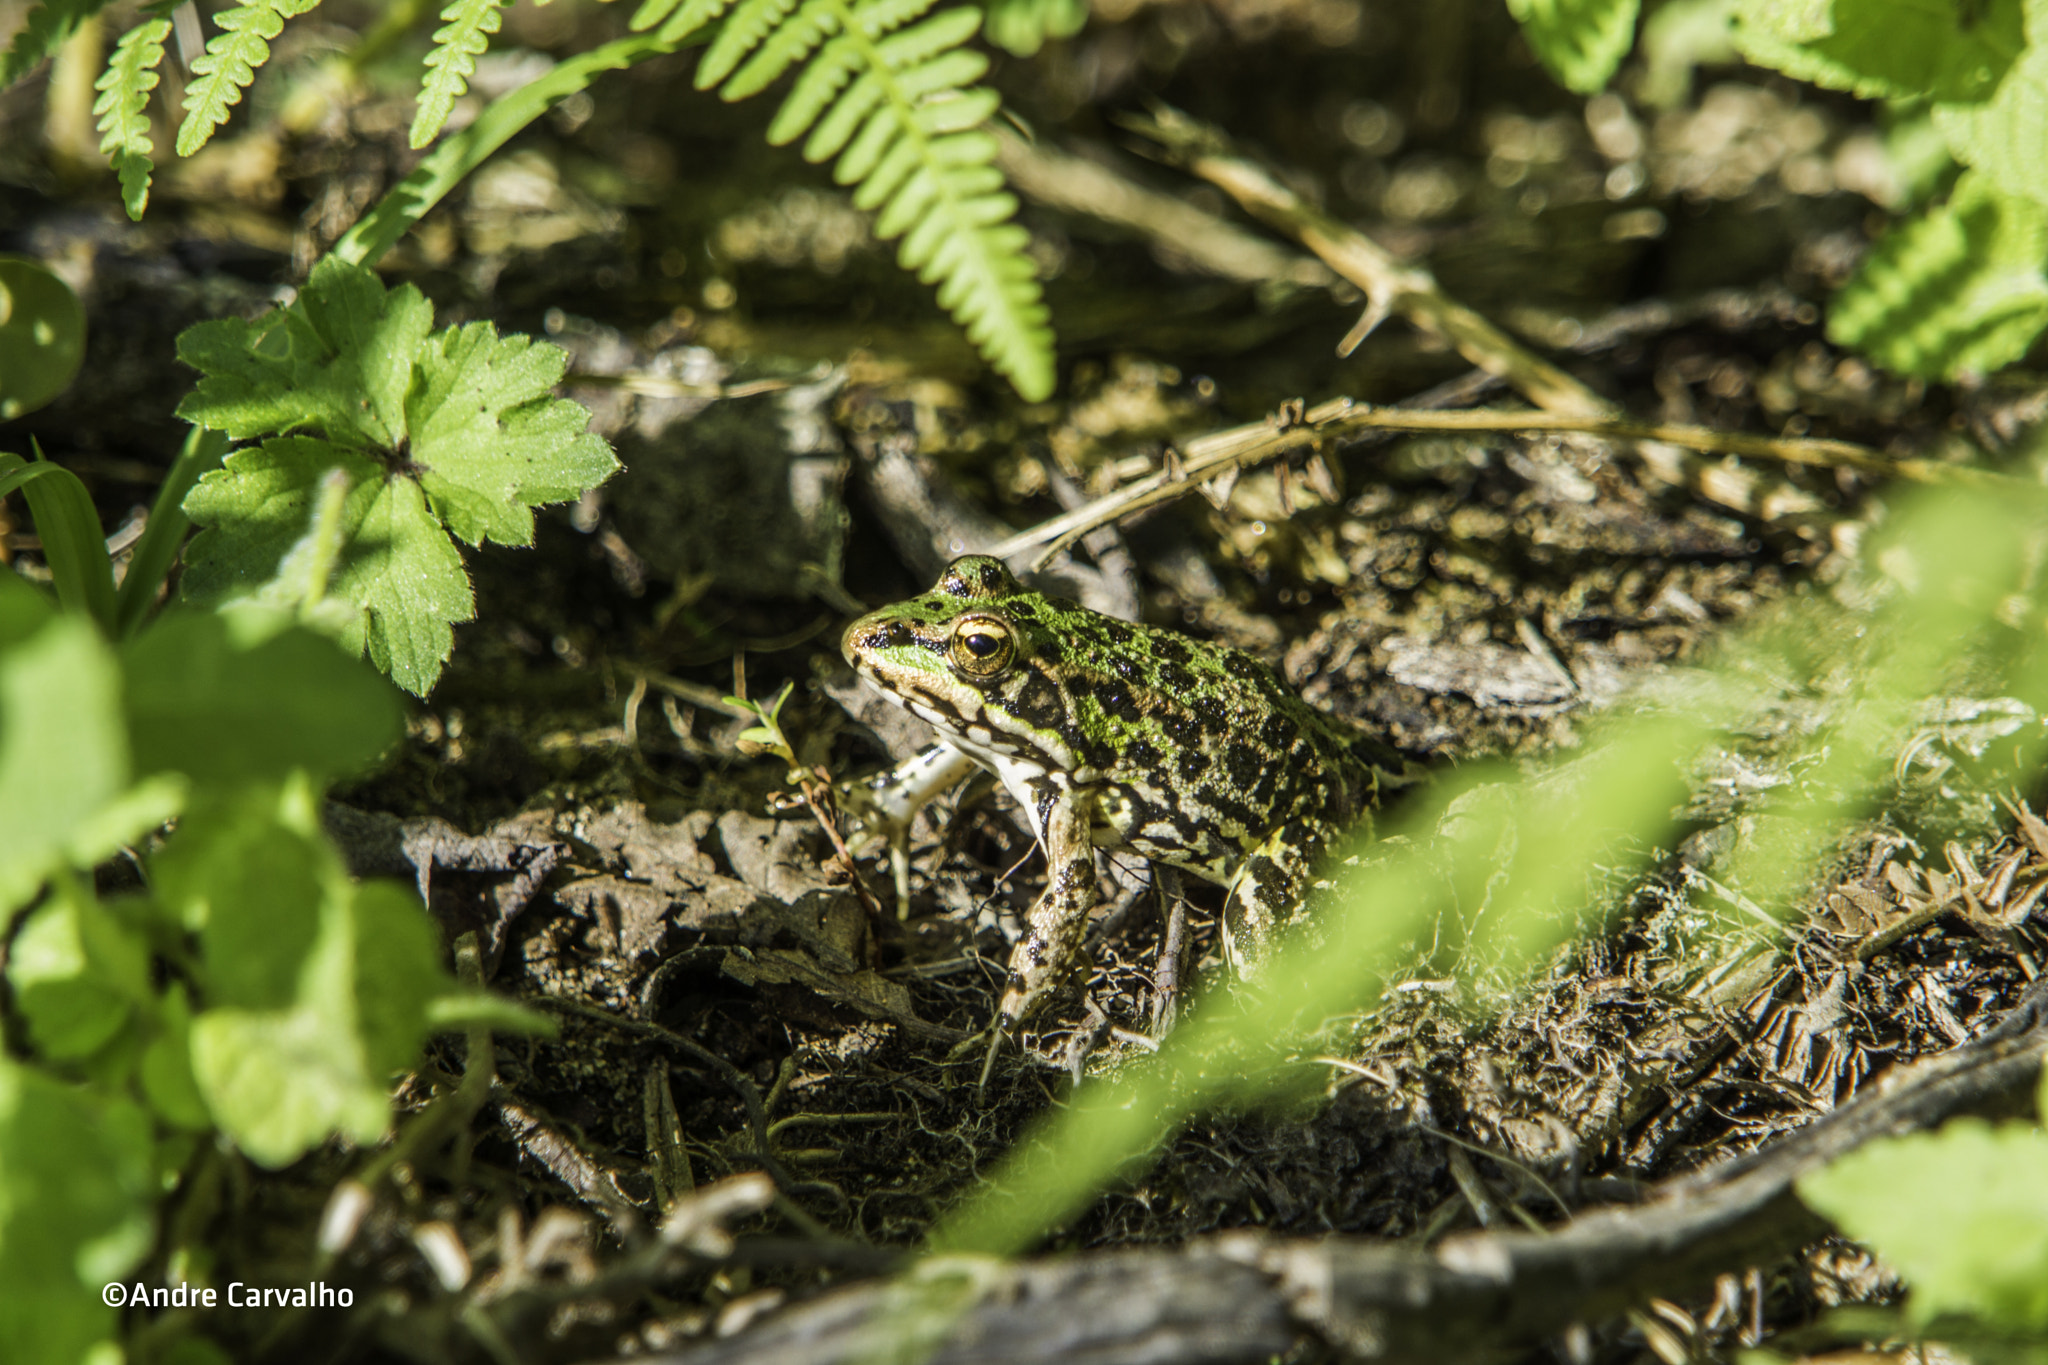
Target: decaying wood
column 1243, row 1297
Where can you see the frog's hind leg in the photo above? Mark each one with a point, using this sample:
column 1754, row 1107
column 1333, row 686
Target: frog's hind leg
column 1265, row 897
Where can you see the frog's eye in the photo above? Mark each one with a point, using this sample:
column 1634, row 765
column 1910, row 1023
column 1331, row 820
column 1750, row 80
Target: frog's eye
column 982, row 646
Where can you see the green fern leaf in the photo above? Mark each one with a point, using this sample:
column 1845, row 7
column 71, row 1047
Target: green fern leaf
column 816, row 90
column 678, row 18
column 230, row 63
column 122, row 109
column 884, row 89
column 1580, row 41
column 793, row 40
column 48, row 25
column 749, row 23
column 1958, row 290
column 469, row 25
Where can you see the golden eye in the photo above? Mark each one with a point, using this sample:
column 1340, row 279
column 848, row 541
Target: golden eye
column 982, row 646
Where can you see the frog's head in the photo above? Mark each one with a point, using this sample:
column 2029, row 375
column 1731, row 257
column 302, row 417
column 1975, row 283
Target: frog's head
column 972, row 656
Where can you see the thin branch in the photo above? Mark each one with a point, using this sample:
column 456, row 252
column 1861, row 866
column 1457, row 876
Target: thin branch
column 1390, row 285
column 1237, row 447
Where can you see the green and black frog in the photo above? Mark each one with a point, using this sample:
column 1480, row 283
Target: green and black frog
column 1119, row 736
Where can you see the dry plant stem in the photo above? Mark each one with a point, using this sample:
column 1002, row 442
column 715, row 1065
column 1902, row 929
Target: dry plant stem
column 1390, row 286
column 1209, row 456
column 1475, row 1296
column 1177, row 229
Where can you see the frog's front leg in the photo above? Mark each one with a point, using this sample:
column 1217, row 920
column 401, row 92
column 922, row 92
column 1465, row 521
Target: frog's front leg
column 1057, row 924
column 883, row 806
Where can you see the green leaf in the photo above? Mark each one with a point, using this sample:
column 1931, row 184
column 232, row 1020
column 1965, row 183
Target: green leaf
column 77, row 1190
column 1581, row 42
column 212, row 698
column 167, row 1078
column 65, row 798
column 2006, row 136
column 122, row 109
column 230, row 63
column 1021, row 27
column 42, row 336
column 488, row 438
column 317, row 988
column 42, row 33
column 1957, row 290
column 467, row 30
column 69, row 526
column 1902, row 49
column 1962, row 1214
column 313, row 365
column 77, row 975
column 462, row 419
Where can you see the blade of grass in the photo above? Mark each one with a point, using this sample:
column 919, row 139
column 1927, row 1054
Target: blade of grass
column 73, row 544
column 151, row 562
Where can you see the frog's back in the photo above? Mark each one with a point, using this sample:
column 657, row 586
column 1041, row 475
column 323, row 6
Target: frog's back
column 1200, row 751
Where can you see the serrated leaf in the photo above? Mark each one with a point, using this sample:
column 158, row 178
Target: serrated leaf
column 397, row 565
column 462, row 418
column 122, row 109
column 467, row 30
column 2006, row 137
column 229, row 65
column 1962, row 1214
column 1581, row 42
column 1904, row 49
column 489, row 439
column 313, row 365
column 48, row 24
column 791, row 41
column 1957, row 290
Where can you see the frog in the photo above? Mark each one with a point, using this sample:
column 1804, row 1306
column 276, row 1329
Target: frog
column 1116, row 735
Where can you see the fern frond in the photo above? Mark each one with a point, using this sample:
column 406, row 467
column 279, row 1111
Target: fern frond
column 886, row 90
column 48, row 25
column 749, row 23
column 467, row 31
column 123, row 106
column 678, row 18
column 230, row 63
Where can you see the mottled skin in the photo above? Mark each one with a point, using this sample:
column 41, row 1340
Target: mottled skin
column 1114, row 735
